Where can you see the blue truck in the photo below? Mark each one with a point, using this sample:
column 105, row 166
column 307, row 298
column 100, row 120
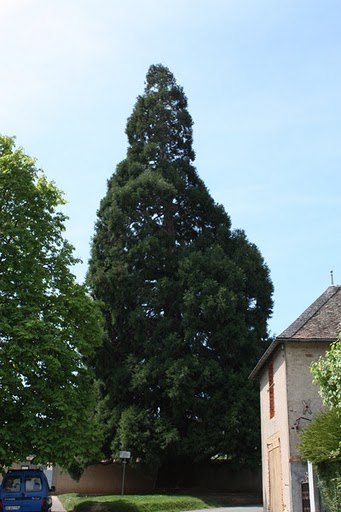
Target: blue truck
column 25, row 490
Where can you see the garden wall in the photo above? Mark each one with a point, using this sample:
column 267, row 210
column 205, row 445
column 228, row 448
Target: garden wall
column 107, row 479
column 103, row 479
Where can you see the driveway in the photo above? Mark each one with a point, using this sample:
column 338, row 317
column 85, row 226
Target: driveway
column 56, row 505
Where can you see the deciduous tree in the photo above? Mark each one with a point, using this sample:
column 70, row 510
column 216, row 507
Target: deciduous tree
column 49, row 325
column 327, row 374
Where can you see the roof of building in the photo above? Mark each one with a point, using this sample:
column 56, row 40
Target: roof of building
column 319, row 322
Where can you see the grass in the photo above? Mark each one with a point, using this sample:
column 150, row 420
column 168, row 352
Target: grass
column 144, row 503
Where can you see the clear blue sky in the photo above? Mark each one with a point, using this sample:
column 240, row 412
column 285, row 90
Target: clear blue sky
column 263, row 81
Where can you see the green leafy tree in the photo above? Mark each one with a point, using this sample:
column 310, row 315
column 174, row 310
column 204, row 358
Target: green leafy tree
column 321, row 441
column 327, row 373
column 185, row 299
column 49, row 325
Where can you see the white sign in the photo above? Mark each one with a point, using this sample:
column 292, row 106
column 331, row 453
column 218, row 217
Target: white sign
column 125, row 455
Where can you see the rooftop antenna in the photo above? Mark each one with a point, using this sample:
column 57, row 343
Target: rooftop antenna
column 331, row 278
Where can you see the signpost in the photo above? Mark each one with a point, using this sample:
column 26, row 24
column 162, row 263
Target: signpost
column 125, row 455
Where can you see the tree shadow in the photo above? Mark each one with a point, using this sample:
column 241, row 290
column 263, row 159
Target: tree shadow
column 102, row 506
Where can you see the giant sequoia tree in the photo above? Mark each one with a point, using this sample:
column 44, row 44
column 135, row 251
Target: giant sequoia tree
column 185, row 299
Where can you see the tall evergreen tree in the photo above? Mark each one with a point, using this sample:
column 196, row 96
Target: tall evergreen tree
column 185, row 299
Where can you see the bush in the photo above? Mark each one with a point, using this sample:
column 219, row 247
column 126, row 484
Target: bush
column 321, row 440
column 321, row 444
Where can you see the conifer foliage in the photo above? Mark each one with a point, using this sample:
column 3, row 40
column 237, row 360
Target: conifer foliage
column 185, row 299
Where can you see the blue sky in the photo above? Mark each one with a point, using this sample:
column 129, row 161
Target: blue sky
column 263, row 82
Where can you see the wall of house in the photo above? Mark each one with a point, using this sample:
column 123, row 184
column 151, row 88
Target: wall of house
column 275, row 432
column 304, row 403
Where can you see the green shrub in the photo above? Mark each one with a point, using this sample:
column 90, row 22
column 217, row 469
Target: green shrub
column 321, row 440
column 321, row 444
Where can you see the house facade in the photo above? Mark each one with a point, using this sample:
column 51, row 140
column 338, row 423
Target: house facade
column 290, row 400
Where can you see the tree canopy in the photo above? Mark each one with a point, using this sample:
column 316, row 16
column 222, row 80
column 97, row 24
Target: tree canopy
column 327, row 373
column 185, row 299
column 49, row 325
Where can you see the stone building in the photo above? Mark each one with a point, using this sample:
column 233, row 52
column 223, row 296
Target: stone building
column 290, row 400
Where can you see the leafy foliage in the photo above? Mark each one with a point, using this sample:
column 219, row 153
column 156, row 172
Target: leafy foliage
column 327, row 373
column 49, row 325
column 321, row 440
column 185, row 298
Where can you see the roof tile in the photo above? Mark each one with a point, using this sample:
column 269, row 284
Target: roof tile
column 321, row 320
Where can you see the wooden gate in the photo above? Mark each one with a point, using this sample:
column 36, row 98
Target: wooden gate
column 305, row 497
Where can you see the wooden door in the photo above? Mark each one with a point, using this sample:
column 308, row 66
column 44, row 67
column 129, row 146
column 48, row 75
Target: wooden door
column 275, row 477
